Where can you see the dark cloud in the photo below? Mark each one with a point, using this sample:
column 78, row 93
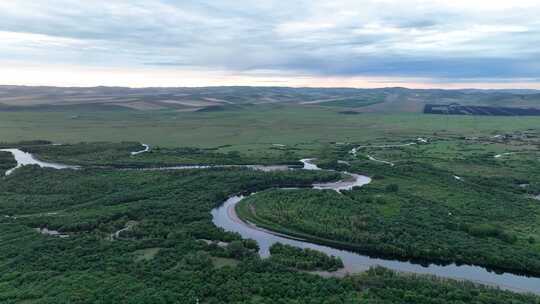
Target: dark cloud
column 418, row 67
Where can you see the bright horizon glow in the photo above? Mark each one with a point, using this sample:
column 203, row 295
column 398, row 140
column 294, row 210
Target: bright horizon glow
column 74, row 76
column 376, row 43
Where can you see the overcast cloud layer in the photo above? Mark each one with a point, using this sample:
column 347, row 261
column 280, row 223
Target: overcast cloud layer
column 438, row 42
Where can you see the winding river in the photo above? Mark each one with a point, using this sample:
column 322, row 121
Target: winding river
column 146, row 149
column 226, row 218
column 23, row 158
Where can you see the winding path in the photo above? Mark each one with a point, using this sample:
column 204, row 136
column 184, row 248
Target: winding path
column 503, row 154
column 354, row 150
column 380, row 161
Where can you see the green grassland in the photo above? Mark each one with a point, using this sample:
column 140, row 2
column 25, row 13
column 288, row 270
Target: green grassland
column 250, row 129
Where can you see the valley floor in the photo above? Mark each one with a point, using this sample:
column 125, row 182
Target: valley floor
column 135, row 234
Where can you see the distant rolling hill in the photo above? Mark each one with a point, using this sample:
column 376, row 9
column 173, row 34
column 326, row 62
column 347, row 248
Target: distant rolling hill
column 14, row 98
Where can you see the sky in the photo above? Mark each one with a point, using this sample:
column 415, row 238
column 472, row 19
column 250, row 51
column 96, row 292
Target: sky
column 326, row 43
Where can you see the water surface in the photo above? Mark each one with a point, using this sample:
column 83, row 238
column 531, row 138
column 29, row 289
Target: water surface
column 23, row 159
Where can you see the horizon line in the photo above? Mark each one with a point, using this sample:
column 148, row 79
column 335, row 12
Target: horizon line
column 268, row 86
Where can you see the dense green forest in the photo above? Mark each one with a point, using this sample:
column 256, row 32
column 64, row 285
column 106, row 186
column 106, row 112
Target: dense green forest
column 6, row 162
column 147, row 237
column 119, row 155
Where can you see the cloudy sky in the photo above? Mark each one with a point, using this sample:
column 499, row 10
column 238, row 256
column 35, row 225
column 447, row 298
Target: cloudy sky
column 357, row 43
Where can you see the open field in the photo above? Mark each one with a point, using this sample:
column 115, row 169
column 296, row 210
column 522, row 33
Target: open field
column 385, row 100
column 250, row 129
column 479, row 110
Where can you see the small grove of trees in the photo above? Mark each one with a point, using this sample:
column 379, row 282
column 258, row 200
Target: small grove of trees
column 303, row 259
column 487, row 230
column 392, row 188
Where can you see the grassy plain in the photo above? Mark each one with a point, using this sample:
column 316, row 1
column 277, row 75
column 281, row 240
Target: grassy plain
column 249, row 129
column 163, row 260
